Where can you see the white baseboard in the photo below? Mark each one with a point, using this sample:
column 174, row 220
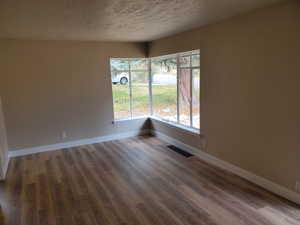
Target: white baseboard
column 45, row 148
column 260, row 181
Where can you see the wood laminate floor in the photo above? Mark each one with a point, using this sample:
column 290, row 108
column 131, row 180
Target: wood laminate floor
column 135, row 181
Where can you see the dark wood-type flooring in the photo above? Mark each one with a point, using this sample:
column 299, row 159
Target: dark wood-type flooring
column 135, row 181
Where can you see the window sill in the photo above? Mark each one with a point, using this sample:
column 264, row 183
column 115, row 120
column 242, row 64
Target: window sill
column 180, row 127
column 130, row 119
column 189, row 130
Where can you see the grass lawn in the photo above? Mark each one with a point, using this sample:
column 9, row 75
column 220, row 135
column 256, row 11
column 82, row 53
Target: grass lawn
column 162, row 95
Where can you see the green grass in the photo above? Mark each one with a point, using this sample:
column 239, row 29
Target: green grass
column 121, row 97
column 161, row 94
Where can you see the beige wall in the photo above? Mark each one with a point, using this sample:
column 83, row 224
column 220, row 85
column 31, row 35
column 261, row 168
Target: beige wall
column 250, row 91
column 184, row 135
column 51, row 86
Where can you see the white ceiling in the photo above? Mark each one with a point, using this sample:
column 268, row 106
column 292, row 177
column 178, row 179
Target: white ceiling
column 118, row 20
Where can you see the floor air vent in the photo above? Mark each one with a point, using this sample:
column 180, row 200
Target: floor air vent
column 179, row 151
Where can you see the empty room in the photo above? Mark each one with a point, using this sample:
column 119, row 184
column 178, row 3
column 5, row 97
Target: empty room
column 150, row 112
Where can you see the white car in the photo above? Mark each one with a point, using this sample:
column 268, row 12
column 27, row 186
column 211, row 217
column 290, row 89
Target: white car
column 121, row 78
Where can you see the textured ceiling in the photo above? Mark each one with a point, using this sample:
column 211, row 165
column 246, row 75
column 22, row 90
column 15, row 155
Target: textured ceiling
column 119, row 20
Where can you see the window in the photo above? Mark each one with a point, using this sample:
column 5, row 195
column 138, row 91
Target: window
column 130, row 86
column 189, row 89
column 172, row 95
column 140, row 87
column 164, row 88
column 120, row 87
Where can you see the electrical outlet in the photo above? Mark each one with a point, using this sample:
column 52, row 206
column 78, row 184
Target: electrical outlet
column 64, row 135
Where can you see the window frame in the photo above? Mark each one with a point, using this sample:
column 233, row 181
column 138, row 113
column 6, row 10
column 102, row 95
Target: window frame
column 191, row 68
column 190, row 54
column 129, row 71
column 170, row 56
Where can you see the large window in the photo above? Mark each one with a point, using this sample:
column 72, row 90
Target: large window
column 164, row 88
column 172, row 95
column 130, row 85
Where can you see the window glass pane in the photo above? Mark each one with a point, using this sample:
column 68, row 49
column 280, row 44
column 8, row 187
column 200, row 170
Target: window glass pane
column 166, row 65
column 121, row 98
column 196, row 98
column 195, row 60
column 119, row 64
column 164, row 88
column 140, row 93
column 184, row 89
column 184, row 61
column 139, row 64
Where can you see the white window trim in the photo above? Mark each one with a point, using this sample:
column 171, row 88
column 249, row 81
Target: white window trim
column 190, row 127
column 177, row 125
